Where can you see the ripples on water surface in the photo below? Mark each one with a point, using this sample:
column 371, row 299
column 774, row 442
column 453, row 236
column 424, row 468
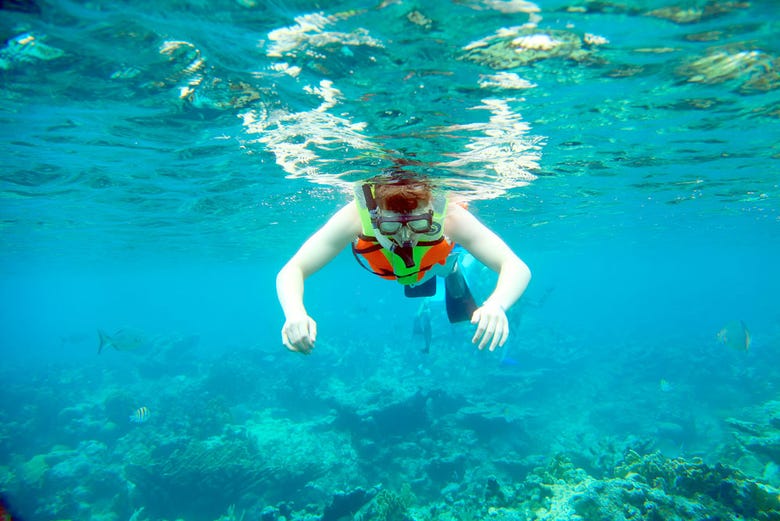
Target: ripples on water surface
column 181, row 120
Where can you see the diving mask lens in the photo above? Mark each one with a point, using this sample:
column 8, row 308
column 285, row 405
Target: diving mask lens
column 417, row 223
column 420, row 225
column 389, row 227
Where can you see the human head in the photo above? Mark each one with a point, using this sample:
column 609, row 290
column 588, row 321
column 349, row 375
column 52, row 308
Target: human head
column 403, row 201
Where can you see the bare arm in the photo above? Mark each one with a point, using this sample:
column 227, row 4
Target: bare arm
column 300, row 331
column 513, row 274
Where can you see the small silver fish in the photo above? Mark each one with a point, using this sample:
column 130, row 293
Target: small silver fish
column 141, row 415
column 125, row 339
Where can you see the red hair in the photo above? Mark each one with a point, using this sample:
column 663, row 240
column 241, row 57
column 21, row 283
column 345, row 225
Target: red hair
column 403, row 197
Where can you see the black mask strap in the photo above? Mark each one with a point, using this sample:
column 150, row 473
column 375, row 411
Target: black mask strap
column 368, row 195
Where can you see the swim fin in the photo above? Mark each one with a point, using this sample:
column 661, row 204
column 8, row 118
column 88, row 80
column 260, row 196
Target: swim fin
column 457, row 295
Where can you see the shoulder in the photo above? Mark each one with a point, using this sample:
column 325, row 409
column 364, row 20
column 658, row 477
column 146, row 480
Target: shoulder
column 460, row 225
column 346, row 220
column 457, row 215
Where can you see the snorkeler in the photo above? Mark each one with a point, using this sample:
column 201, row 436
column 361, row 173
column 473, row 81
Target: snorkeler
column 400, row 230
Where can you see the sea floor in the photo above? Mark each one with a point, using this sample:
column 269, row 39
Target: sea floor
column 552, row 432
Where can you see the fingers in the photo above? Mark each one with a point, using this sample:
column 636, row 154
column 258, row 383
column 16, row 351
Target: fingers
column 505, row 336
column 492, row 329
column 312, row 331
column 300, row 336
column 475, row 319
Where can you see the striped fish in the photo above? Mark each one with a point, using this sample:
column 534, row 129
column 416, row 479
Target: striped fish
column 141, row 415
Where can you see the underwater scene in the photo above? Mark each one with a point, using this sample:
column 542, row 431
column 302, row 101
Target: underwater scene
column 163, row 160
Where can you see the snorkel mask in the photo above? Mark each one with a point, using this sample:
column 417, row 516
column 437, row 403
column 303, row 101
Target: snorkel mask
column 402, row 229
column 416, row 222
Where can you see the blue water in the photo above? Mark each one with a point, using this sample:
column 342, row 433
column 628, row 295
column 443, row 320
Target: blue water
column 162, row 160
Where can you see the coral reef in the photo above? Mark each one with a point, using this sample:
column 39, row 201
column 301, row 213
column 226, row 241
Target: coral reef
column 756, row 444
column 649, row 487
column 200, row 478
column 432, row 455
column 389, row 506
column 347, row 504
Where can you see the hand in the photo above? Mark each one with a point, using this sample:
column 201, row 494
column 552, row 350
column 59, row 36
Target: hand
column 299, row 334
column 492, row 326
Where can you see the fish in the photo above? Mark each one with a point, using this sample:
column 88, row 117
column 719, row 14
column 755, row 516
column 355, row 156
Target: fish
column 125, row 339
column 665, row 386
column 141, row 415
column 735, row 335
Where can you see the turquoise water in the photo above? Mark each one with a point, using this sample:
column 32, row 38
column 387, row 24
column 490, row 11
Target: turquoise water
column 162, row 160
